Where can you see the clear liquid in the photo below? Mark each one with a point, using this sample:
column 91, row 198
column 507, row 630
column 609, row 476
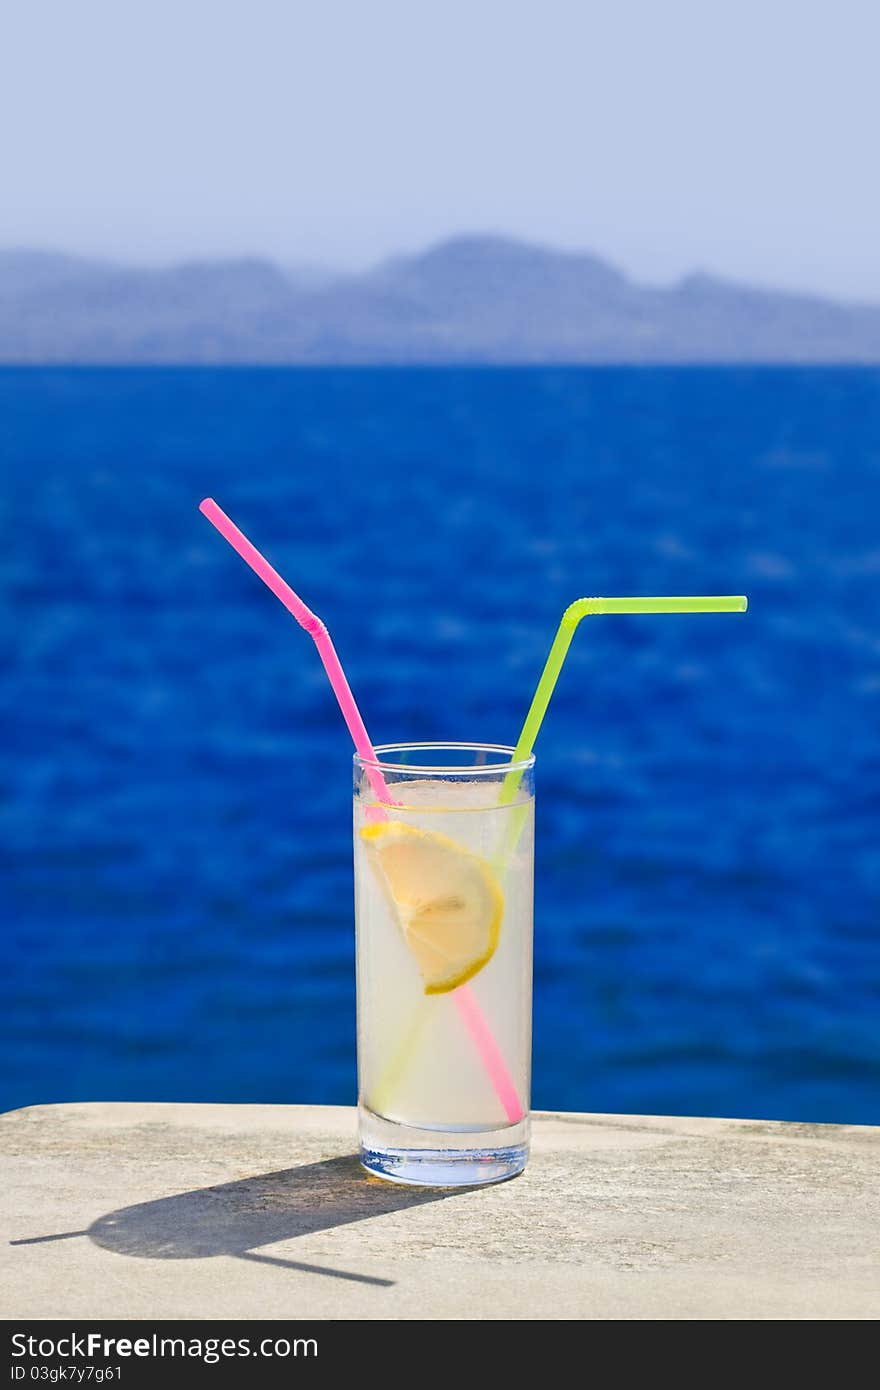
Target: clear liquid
column 419, row 1068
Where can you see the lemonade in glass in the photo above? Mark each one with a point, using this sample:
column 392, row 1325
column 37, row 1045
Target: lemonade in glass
column 443, row 909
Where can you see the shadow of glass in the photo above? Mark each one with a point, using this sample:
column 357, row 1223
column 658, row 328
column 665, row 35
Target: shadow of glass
column 236, row 1218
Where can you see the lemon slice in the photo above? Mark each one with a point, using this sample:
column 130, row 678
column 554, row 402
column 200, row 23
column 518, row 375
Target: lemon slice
column 448, row 901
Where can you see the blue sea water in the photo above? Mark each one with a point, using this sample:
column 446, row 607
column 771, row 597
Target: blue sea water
column 175, row 823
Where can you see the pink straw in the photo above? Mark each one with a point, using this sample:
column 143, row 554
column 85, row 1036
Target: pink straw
column 490, row 1052
column 471, row 1013
column 313, row 626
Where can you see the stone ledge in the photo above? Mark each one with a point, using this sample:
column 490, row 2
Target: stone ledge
column 161, row 1211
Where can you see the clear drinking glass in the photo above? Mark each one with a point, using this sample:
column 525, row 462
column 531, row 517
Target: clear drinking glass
column 443, row 891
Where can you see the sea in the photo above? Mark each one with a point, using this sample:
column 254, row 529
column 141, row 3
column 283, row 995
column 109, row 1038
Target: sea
column 175, row 826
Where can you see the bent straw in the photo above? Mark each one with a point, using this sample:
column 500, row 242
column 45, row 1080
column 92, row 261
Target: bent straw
column 581, row 608
column 584, row 608
column 312, row 625
column 472, row 1016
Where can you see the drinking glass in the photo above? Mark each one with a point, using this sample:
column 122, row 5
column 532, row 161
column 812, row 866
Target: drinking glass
column 444, row 869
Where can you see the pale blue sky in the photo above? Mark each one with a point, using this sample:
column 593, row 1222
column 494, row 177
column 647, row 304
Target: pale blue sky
column 738, row 136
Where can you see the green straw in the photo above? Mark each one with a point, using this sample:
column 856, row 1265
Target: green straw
column 584, row 608
column 401, row 1059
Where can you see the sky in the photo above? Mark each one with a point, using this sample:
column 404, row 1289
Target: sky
column 738, row 138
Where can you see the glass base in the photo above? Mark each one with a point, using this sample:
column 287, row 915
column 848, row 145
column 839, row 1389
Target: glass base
column 441, row 1158
column 445, row 1167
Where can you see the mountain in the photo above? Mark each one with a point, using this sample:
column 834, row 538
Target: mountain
column 468, row 300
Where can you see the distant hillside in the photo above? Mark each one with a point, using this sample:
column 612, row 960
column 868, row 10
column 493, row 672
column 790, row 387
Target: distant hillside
column 470, row 300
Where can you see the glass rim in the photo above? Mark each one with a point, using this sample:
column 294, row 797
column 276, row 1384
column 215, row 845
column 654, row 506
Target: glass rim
column 503, row 766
